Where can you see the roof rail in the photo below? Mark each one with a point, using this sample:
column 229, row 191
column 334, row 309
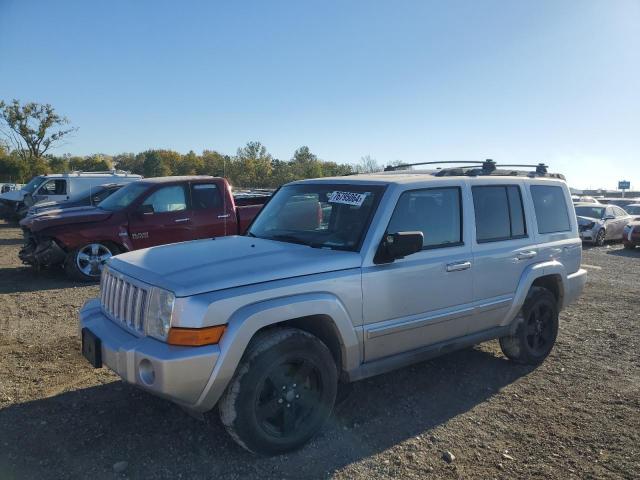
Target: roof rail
column 487, row 167
column 104, row 172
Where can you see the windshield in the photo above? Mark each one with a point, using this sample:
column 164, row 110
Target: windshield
column 33, row 184
column 319, row 215
column 591, row 212
column 123, row 197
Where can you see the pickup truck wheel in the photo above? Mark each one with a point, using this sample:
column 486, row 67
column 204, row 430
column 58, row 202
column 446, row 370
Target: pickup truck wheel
column 282, row 393
column 537, row 331
column 85, row 263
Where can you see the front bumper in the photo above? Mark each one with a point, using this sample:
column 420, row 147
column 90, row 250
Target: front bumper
column 588, row 235
column 575, row 284
column 179, row 374
column 41, row 253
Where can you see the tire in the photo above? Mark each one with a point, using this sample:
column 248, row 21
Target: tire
column 600, row 237
column 537, row 331
column 629, row 246
column 282, row 393
column 89, row 270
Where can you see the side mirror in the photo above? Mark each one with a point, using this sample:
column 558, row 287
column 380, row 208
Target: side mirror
column 146, row 209
column 398, row 245
column 96, row 200
column 609, row 217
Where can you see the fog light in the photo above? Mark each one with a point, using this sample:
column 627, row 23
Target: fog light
column 146, row 372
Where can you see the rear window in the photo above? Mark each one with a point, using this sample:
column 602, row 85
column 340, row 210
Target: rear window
column 551, row 209
column 499, row 213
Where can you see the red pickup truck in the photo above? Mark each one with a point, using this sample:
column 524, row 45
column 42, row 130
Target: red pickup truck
column 146, row 213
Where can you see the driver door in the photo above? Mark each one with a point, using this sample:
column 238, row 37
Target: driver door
column 424, row 298
column 54, row 190
column 164, row 217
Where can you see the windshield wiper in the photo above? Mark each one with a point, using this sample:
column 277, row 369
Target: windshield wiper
column 287, row 238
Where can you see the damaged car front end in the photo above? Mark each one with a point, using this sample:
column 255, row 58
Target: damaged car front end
column 41, row 251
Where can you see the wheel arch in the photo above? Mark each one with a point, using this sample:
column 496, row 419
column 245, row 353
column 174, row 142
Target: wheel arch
column 550, row 275
column 320, row 314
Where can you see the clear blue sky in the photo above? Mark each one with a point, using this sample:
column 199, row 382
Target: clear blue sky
column 554, row 81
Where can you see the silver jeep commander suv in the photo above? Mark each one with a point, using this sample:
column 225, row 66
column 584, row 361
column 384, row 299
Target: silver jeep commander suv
column 339, row 279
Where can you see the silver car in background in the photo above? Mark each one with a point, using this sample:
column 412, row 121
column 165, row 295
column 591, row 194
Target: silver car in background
column 598, row 223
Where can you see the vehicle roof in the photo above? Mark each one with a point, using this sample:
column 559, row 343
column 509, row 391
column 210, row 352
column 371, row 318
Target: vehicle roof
column 416, row 177
column 186, row 178
column 590, row 204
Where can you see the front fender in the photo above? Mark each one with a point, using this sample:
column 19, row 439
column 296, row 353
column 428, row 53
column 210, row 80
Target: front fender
column 530, row 275
column 246, row 321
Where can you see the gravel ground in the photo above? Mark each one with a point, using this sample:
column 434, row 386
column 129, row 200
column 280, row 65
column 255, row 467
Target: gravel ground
column 576, row 416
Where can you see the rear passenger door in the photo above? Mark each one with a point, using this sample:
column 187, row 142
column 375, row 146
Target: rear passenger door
column 424, row 298
column 209, row 218
column 618, row 223
column 502, row 249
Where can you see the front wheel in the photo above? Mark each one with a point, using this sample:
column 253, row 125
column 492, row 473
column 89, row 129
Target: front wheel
column 537, row 331
column 85, row 263
column 282, row 392
column 600, row 236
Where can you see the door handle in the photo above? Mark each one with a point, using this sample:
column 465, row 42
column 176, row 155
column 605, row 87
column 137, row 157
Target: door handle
column 526, row 255
column 224, row 216
column 180, row 220
column 457, row 266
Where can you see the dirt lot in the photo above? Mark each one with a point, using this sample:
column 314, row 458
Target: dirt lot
column 577, row 416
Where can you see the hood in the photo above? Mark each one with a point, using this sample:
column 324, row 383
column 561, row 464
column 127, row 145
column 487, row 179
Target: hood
column 202, row 266
column 586, row 220
column 68, row 216
column 13, row 195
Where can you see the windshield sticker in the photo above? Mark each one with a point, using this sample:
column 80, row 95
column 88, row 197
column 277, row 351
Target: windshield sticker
column 348, row 198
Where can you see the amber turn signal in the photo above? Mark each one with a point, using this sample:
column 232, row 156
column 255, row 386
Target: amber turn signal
column 195, row 337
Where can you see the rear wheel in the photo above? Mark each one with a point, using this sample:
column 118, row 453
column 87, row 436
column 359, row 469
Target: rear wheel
column 85, row 263
column 600, row 236
column 282, row 393
column 537, row 331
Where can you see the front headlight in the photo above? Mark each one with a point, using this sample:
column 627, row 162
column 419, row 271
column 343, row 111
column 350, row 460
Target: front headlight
column 158, row 317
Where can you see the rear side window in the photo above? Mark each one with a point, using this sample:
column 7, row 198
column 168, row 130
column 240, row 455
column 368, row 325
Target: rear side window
column 435, row 212
column 499, row 213
column 551, row 209
column 205, row 196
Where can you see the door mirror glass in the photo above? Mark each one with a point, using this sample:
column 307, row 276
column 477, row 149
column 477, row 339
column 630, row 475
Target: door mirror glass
column 609, row 217
column 399, row 245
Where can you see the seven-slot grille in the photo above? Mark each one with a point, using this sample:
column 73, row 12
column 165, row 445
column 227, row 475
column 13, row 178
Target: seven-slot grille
column 123, row 302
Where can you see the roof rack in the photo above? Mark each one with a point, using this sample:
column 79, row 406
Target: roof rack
column 486, row 167
column 104, row 172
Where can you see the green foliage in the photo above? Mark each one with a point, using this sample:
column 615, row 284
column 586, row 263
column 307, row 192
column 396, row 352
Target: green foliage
column 31, row 130
column 252, row 166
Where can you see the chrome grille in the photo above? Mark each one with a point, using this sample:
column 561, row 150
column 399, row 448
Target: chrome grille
column 123, row 301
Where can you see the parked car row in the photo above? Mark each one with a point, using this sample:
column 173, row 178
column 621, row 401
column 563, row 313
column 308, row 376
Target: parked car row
column 141, row 214
column 599, row 222
column 336, row 280
column 60, row 188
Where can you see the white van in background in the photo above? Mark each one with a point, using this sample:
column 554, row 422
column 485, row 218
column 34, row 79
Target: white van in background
column 58, row 187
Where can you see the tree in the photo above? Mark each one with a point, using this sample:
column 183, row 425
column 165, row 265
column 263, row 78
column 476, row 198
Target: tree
column 305, row 164
column 368, row 165
column 253, row 165
column 32, row 129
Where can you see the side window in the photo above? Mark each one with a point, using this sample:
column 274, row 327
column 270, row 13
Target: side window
column 205, row 196
column 499, row 213
column 436, row 212
column 551, row 209
column 53, row 187
column 619, row 212
column 167, row 199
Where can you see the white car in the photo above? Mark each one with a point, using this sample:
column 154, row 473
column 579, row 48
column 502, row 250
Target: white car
column 598, row 223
